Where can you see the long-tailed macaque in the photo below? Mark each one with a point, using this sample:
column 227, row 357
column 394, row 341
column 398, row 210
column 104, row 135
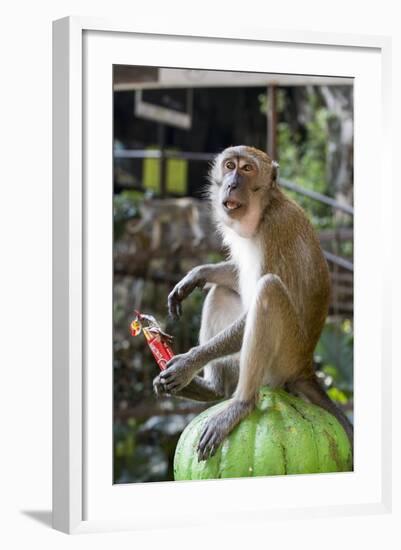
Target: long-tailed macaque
column 266, row 307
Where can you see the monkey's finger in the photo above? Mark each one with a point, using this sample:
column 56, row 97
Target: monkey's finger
column 171, row 307
column 176, row 310
column 173, row 381
column 174, row 389
column 171, row 301
column 166, row 374
column 173, row 386
column 158, row 389
column 169, row 364
column 161, row 386
column 169, row 380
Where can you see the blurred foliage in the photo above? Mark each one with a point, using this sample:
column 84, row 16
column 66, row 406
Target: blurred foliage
column 334, row 356
column 335, row 352
column 143, row 451
column 303, row 150
column 125, row 207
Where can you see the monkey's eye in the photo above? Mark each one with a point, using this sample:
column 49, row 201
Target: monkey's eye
column 230, row 165
column 247, row 167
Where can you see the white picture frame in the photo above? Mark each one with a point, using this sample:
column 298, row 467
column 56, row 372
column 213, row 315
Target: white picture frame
column 84, row 498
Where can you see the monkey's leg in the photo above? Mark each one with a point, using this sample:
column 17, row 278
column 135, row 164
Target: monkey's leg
column 272, row 353
column 221, row 307
column 312, row 390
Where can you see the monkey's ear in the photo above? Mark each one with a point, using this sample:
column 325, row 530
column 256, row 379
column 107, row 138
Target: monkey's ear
column 275, row 172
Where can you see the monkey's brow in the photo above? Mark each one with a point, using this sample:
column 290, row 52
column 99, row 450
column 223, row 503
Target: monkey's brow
column 247, row 158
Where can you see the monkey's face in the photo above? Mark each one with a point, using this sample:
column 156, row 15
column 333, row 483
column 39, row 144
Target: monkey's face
column 241, row 178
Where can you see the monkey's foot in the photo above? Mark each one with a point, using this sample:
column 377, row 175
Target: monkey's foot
column 219, row 426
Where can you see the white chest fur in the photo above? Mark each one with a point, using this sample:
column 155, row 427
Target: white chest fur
column 247, row 254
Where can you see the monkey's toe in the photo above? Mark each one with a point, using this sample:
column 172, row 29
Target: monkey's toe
column 209, row 442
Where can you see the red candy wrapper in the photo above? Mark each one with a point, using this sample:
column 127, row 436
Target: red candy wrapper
column 157, row 340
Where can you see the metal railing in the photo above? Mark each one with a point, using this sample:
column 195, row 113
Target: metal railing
column 317, row 196
column 157, row 154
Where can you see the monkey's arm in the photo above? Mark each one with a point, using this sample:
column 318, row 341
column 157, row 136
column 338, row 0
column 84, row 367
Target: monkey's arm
column 198, row 389
column 223, row 274
column 182, row 368
column 226, row 342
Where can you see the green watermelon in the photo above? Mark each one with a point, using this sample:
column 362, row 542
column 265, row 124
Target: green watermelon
column 283, row 435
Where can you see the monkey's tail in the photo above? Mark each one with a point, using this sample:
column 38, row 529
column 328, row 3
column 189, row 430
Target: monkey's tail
column 313, row 391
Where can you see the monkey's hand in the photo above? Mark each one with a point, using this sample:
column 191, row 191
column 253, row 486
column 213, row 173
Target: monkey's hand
column 178, row 374
column 159, row 388
column 183, row 289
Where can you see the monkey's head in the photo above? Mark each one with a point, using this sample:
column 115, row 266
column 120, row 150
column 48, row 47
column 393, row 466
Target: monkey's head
column 242, row 180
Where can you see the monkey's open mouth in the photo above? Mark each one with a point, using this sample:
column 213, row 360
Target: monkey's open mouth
column 232, row 205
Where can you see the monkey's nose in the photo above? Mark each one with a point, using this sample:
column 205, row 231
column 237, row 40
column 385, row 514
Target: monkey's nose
column 234, row 182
